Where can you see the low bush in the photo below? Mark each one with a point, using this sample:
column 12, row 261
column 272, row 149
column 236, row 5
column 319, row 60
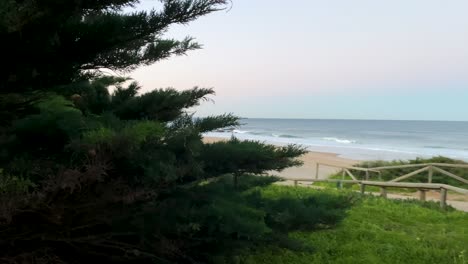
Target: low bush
column 218, row 221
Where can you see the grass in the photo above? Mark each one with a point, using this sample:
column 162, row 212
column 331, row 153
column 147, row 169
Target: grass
column 375, row 230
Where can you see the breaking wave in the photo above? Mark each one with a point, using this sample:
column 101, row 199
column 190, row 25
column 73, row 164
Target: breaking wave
column 339, row 140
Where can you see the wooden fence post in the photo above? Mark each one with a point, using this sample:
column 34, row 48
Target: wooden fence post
column 339, row 184
column 443, row 198
column 295, row 183
column 367, row 175
column 317, row 171
column 383, row 192
column 430, row 173
column 343, row 172
column 422, row 195
column 363, row 188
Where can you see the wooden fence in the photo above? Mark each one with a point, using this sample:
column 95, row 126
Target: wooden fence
column 395, row 183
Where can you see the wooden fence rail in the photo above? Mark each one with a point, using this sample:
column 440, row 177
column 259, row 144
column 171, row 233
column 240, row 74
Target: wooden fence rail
column 429, row 167
column 395, row 183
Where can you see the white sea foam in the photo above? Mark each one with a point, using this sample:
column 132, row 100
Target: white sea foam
column 238, row 131
column 339, row 140
column 369, row 140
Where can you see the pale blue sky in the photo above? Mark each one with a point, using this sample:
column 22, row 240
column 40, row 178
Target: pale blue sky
column 344, row 59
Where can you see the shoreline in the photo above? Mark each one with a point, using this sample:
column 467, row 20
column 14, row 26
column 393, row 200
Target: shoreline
column 310, row 159
column 348, row 147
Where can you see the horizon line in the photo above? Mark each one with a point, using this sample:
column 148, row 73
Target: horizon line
column 351, row 119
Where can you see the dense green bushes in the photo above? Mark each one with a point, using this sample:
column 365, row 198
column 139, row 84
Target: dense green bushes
column 224, row 221
column 84, row 179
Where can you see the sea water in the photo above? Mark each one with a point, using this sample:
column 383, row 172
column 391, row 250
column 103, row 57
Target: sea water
column 361, row 139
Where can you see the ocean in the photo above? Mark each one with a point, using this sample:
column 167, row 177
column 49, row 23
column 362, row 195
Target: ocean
column 361, row 139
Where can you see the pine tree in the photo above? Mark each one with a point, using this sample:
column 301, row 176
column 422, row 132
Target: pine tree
column 52, row 42
column 84, row 171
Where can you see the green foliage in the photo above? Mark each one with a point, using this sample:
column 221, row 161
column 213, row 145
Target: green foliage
column 122, row 95
column 136, row 132
column 212, row 123
column 98, row 136
column 162, row 104
column 141, row 131
column 226, row 220
column 187, row 122
column 91, row 156
column 56, row 123
column 247, row 156
column 12, row 185
column 291, row 209
column 378, row 230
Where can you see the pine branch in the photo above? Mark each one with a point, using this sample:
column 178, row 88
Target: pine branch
column 162, row 104
column 211, row 123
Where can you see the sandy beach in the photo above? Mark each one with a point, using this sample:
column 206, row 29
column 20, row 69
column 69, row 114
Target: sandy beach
column 307, row 170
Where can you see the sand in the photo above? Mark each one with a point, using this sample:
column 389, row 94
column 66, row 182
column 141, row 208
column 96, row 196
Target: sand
column 307, row 170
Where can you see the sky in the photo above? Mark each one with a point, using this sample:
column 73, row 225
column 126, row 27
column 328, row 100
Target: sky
column 327, row 59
